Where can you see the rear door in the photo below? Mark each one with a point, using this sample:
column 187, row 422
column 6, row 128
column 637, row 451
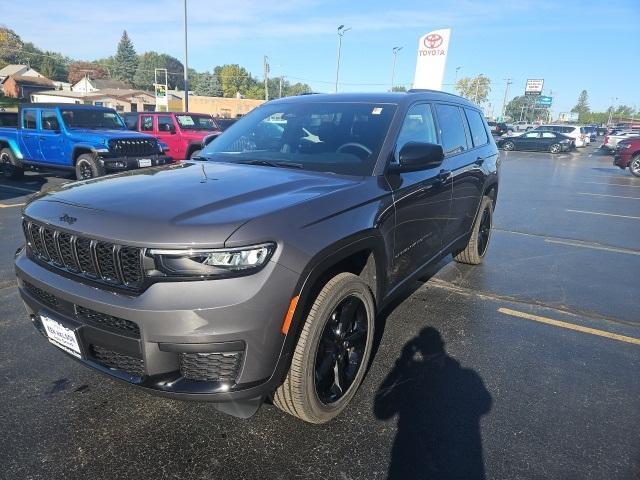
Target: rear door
column 548, row 139
column 30, row 144
column 463, row 161
column 530, row 140
column 52, row 142
column 422, row 199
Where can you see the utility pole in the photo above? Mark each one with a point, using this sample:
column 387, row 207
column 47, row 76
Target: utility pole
column 504, row 100
column 266, row 78
column 341, row 32
column 478, row 78
column 186, row 62
column 393, row 68
column 613, row 100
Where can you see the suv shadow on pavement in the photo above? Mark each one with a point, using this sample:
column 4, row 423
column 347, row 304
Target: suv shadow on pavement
column 439, row 405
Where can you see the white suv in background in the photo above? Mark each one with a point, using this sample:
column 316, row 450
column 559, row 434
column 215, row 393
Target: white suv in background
column 574, row 131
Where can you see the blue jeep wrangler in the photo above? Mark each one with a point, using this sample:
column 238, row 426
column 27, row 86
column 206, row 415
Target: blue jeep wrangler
column 90, row 140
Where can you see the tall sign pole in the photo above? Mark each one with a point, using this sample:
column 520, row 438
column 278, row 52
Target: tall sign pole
column 504, row 100
column 341, row 31
column 266, row 78
column 186, row 62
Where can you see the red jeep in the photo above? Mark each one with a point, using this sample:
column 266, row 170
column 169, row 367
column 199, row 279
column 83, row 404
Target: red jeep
column 184, row 133
column 627, row 154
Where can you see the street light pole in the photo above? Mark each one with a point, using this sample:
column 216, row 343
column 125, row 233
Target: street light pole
column 341, row 32
column 186, row 62
column 611, row 110
column 504, row 100
column 393, row 68
column 478, row 78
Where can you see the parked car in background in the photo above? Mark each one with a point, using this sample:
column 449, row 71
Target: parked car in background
column 498, row 128
column 183, row 133
column 258, row 274
column 86, row 139
column 627, row 154
column 574, row 131
column 522, row 126
column 540, row 141
column 592, row 132
column 225, row 123
column 611, row 140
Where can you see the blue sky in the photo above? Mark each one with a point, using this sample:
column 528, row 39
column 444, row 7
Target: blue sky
column 573, row 45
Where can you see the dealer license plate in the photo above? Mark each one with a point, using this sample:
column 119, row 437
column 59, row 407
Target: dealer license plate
column 61, row 336
column 144, row 162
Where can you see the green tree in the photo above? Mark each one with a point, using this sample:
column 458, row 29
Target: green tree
column 582, row 107
column 125, row 61
column 235, row 79
column 145, row 72
column 399, row 88
column 624, row 111
column 476, row 89
column 10, row 46
column 522, row 107
column 207, row 85
column 78, row 70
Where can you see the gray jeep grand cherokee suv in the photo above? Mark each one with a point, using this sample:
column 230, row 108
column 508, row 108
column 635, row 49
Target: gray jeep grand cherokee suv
column 255, row 273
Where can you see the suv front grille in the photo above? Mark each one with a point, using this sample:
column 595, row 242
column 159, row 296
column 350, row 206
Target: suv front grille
column 118, row 361
column 134, row 147
column 99, row 261
column 107, row 322
column 211, row 367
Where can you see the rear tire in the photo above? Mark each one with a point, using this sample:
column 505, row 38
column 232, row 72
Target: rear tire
column 11, row 169
column 476, row 249
column 509, row 146
column 634, row 165
column 333, row 346
column 555, row 148
column 88, row 166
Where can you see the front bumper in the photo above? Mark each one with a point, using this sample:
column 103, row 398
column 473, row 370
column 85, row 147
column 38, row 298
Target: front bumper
column 216, row 340
column 118, row 164
column 621, row 159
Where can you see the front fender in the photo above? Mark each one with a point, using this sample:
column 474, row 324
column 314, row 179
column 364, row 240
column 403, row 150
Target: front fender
column 13, row 145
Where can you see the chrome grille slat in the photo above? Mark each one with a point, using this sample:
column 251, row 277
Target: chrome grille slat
column 104, row 262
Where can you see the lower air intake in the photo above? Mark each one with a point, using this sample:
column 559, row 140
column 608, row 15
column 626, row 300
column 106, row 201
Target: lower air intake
column 211, row 367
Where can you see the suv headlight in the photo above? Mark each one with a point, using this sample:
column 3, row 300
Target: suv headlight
column 212, row 262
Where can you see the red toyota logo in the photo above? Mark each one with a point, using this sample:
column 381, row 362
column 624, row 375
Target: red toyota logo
column 433, row 41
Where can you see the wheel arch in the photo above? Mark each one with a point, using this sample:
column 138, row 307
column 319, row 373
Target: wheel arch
column 80, row 150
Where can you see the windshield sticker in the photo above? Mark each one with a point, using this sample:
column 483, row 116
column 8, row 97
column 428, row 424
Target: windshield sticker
column 376, row 111
column 185, row 120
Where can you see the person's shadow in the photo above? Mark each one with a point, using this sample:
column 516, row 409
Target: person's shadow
column 439, row 405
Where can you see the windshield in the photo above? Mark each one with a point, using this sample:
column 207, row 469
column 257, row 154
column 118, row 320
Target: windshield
column 196, row 122
column 343, row 138
column 93, row 119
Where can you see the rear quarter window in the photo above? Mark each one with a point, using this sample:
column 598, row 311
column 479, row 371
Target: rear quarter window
column 476, row 127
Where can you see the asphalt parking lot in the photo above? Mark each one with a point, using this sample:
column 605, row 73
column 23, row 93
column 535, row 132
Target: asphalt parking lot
column 525, row 367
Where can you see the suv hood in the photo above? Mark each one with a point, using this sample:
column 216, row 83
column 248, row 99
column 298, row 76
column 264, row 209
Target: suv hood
column 92, row 135
column 181, row 205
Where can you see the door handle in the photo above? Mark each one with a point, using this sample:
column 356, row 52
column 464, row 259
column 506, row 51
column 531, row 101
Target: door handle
column 444, row 174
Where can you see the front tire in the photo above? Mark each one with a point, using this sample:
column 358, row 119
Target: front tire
column 332, row 354
column 555, row 148
column 509, row 146
column 11, row 169
column 88, row 166
column 634, row 165
column 476, row 249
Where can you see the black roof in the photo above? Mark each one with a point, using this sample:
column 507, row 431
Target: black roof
column 378, row 97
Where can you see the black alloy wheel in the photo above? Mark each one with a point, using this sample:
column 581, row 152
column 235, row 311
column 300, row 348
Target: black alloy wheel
column 341, row 350
column 85, row 170
column 484, row 231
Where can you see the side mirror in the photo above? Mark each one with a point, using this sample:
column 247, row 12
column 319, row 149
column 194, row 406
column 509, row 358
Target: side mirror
column 415, row 156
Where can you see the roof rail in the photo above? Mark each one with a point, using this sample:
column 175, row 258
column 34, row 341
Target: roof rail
column 427, row 90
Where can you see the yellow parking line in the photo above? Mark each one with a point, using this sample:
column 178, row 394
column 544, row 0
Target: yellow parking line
column 2, row 205
column 603, row 214
column 569, row 326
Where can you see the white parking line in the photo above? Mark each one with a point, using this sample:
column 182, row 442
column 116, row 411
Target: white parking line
column 602, row 213
column 10, row 187
column 613, row 184
column 592, row 246
column 604, row 195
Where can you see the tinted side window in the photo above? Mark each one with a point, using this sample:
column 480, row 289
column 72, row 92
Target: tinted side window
column 452, row 133
column 131, row 121
column 29, row 119
column 548, row 135
column 476, row 126
column 146, row 125
column 49, row 120
column 418, row 126
column 165, row 124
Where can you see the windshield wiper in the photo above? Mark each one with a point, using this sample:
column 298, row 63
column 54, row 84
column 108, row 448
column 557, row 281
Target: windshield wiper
column 269, row 163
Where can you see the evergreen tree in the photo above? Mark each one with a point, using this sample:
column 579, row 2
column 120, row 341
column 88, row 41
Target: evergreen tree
column 125, row 62
column 207, row 85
